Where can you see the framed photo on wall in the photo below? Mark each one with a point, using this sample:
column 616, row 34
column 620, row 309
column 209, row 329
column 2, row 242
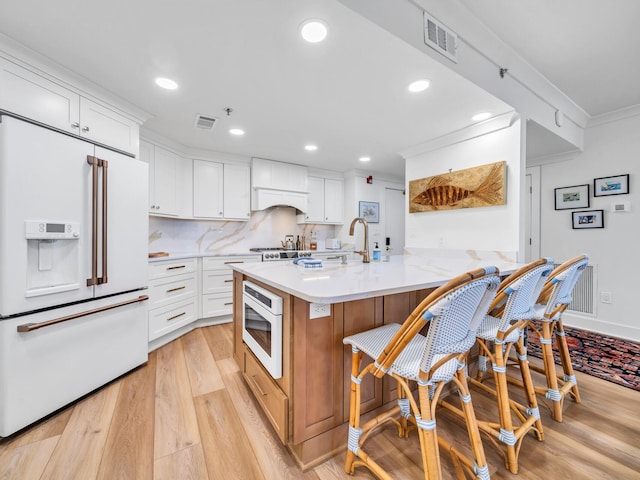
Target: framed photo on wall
column 572, row 197
column 588, row 219
column 616, row 185
column 370, row 211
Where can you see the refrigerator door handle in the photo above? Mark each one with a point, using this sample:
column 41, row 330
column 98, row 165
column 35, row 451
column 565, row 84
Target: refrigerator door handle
column 30, row 327
column 93, row 161
column 104, row 164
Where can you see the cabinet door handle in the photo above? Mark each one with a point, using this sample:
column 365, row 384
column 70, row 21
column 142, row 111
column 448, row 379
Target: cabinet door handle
column 176, row 316
column 85, row 129
column 228, row 303
column 228, row 281
column 255, row 382
column 176, row 289
column 75, row 125
column 178, row 266
column 227, row 263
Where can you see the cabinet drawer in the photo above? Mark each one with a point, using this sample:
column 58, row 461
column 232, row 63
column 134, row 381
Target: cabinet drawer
column 173, row 267
column 214, row 281
column 272, row 400
column 217, row 304
column 213, row 263
column 173, row 289
column 167, row 319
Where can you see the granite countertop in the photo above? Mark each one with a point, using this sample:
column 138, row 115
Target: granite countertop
column 335, row 282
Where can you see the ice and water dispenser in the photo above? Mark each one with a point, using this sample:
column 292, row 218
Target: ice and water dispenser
column 52, row 257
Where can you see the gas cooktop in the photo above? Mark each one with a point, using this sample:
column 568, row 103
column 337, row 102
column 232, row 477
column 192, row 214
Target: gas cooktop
column 270, row 254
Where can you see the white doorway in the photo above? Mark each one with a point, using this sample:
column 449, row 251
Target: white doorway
column 532, row 212
column 394, row 201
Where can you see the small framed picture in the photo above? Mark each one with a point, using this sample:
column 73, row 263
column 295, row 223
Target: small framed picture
column 588, row 219
column 572, row 197
column 617, row 185
column 370, row 211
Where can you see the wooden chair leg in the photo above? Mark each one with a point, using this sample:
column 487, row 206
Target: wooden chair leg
column 529, row 389
column 354, row 413
column 553, row 392
column 567, row 367
column 507, row 436
column 428, row 436
column 481, row 467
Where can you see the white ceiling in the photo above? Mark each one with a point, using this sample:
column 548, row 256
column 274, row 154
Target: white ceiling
column 589, row 49
column 347, row 95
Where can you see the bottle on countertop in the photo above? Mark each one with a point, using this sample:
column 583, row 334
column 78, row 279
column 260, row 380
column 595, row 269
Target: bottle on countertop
column 298, row 247
column 313, row 243
column 377, row 255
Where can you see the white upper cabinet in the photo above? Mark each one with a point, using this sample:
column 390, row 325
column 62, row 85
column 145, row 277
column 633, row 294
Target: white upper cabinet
column 325, row 201
column 237, row 191
column 207, row 189
column 35, row 97
column 164, row 179
column 221, row 190
column 103, row 125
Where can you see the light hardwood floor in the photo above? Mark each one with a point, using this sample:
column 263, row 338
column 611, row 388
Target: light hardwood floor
column 187, row 414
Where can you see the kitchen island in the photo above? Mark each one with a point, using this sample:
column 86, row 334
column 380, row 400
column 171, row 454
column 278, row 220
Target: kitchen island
column 308, row 405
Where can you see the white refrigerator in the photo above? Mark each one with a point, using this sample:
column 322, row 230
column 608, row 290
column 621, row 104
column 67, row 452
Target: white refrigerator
column 73, row 269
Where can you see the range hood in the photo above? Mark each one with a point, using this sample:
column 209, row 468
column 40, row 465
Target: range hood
column 278, row 183
column 263, row 198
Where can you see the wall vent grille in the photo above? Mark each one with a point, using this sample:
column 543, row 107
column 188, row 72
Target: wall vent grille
column 439, row 37
column 584, row 292
column 205, row 122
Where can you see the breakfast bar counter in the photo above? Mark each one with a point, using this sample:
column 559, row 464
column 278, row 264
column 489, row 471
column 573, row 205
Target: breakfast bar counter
column 308, row 403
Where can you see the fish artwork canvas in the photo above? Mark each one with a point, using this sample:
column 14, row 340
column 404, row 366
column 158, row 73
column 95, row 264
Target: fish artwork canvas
column 480, row 186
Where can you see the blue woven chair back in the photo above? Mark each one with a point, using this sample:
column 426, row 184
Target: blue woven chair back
column 565, row 282
column 523, row 294
column 455, row 318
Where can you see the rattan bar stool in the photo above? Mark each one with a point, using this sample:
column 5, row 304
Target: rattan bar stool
column 553, row 301
column 453, row 311
column 501, row 333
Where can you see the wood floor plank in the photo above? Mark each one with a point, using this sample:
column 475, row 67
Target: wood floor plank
column 128, row 451
column 188, row 463
column 204, row 375
column 220, row 340
column 28, row 460
column 51, row 426
column 175, row 425
column 227, row 446
column 274, row 459
column 79, row 450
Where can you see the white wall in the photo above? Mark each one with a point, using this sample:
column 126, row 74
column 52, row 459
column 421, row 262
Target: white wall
column 488, row 228
column 611, row 148
column 356, row 190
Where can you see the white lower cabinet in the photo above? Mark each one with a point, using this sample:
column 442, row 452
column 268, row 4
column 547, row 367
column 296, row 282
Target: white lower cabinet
column 173, row 292
column 181, row 292
column 217, row 284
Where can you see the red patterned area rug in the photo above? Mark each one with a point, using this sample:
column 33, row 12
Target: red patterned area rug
column 609, row 358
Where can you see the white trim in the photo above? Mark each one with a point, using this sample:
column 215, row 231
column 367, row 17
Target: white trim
column 472, row 131
column 615, row 116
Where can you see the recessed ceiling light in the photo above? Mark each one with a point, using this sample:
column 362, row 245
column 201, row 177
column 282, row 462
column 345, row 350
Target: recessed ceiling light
column 313, row 30
column 478, row 117
column 166, row 83
column 236, row 131
column 365, row 159
column 311, row 148
column 419, row 86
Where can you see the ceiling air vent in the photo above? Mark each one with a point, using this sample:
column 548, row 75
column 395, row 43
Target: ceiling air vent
column 205, row 122
column 439, row 37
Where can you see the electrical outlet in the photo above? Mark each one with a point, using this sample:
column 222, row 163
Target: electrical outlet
column 318, row 310
column 606, row 297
